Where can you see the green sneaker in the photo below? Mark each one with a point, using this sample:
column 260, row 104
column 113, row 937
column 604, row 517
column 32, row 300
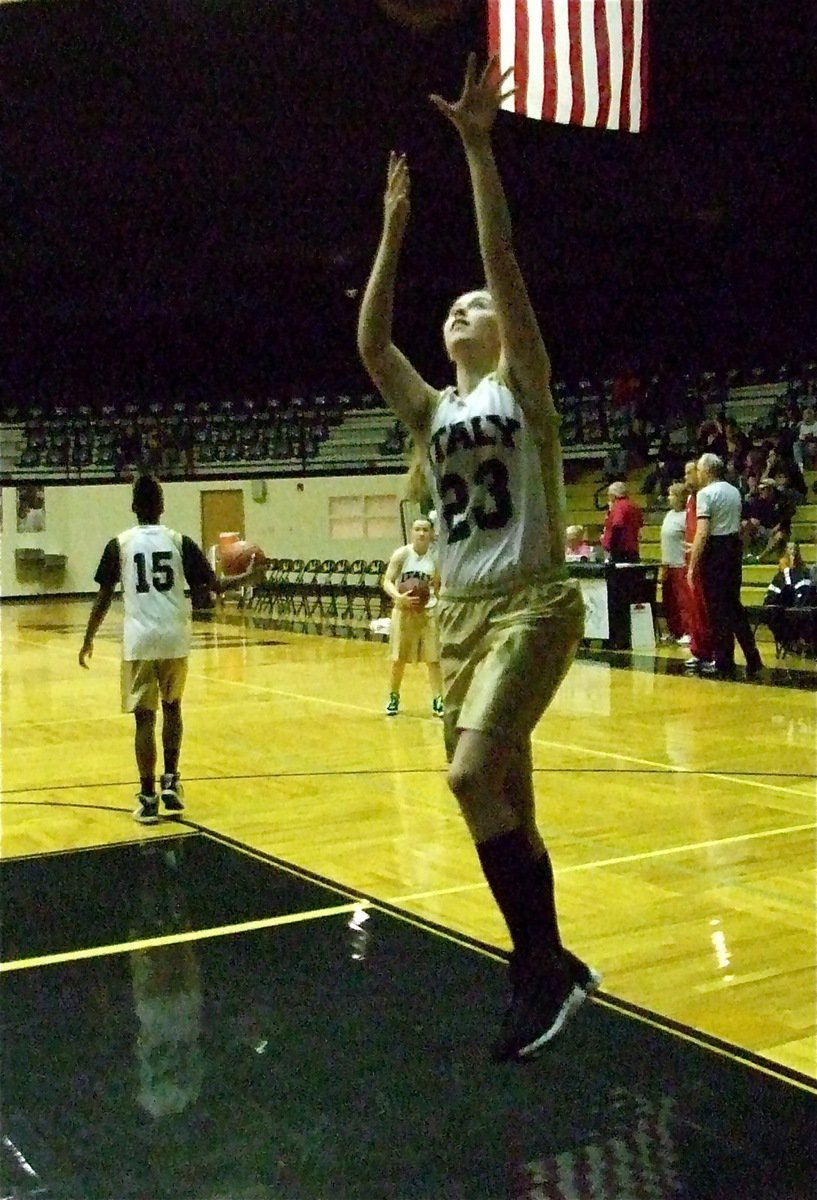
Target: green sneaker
column 393, row 706
column 437, row 706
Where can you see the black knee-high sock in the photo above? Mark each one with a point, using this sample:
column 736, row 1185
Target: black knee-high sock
column 515, row 879
column 544, row 871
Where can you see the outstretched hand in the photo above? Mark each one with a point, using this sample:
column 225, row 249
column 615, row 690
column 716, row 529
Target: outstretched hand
column 86, row 654
column 397, row 200
column 475, row 111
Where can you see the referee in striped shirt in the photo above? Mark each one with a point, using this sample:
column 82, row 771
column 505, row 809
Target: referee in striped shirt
column 716, row 559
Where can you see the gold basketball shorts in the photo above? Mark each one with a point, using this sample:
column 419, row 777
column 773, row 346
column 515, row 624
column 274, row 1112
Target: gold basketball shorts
column 144, row 681
column 413, row 636
column 504, row 654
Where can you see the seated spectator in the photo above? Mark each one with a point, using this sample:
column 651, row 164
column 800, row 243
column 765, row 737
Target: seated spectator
column 669, row 468
column 805, row 448
column 674, row 586
column 737, row 449
column 789, row 597
column 712, row 439
column 622, row 527
column 788, row 495
column 765, row 525
column 577, row 548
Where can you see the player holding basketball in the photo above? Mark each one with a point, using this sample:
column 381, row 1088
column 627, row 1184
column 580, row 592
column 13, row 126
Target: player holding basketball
column 509, row 619
column 413, row 637
column 152, row 563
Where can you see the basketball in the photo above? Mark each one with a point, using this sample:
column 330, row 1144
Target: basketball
column 416, row 586
column 236, row 557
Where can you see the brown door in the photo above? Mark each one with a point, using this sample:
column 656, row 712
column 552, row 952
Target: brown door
column 221, row 512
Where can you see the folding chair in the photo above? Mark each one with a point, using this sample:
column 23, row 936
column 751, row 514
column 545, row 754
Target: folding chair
column 375, row 570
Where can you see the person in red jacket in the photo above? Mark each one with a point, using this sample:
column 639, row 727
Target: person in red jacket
column 622, row 526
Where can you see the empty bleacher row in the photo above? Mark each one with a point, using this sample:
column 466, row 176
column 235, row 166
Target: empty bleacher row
column 184, row 438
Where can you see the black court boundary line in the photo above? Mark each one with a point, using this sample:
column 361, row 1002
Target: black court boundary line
column 685, row 772
column 95, row 848
column 627, row 1008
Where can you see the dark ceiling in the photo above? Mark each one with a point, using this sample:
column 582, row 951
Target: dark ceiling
column 191, row 189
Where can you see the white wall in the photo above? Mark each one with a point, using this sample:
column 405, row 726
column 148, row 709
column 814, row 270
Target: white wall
column 292, row 522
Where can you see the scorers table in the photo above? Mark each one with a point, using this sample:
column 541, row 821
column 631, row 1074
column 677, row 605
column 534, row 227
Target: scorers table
column 619, row 600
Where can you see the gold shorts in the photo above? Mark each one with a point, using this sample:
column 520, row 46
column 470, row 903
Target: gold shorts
column 504, row 655
column 145, row 680
column 413, row 636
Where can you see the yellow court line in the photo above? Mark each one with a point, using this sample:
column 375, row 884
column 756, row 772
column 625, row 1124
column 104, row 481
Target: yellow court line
column 654, row 1022
column 733, row 1055
column 619, row 860
column 176, row 939
column 671, row 768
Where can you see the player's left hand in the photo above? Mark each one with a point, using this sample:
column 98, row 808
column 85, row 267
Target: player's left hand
column 475, row 111
column 87, row 652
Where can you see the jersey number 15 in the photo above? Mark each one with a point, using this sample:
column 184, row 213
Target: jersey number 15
column 162, row 576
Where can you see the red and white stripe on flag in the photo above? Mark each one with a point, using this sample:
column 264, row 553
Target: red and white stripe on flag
column 576, row 62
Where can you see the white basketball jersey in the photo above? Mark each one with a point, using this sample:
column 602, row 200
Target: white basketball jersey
column 424, row 566
column 499, row 489
column 157, row 612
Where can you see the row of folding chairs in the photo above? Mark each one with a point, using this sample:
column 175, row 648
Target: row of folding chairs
column 331, row 590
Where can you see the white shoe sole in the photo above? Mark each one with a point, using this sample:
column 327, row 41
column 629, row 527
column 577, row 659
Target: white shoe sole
column 573, row 1001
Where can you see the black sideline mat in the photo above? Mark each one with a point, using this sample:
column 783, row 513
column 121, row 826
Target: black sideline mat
column 340, row 1057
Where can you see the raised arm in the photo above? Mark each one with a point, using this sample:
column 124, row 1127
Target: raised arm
column 403, row 389
column 473, row 115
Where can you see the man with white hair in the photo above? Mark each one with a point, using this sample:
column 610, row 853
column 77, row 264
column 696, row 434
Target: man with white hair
column 716, row 560
column 622, row 526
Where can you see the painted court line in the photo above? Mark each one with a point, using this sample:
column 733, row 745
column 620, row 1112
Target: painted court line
column 619, row 860
column 176, row 939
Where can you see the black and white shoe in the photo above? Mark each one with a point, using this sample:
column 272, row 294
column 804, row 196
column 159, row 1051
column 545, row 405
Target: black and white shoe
column 585, row 977
column 147, row 809
column 543, row 997
column 172, row 793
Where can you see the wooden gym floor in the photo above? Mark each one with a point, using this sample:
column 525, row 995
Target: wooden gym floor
column 680, row 814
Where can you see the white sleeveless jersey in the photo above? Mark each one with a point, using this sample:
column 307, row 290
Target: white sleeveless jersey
column 498, row 486
column 424, row 566
column 157, row 612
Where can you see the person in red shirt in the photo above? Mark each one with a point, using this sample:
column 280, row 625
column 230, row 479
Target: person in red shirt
column 622, row 526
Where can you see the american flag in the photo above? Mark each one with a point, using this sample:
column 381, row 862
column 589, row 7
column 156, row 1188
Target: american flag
column 576, row 62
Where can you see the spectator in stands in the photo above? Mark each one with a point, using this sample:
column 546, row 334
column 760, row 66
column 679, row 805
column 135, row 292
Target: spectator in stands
column 805, row 447
column 674, row 585
column 765, row 523
column 712, row 438
column 668, row 469
column 30, row 508
column 716, row 557
column 790, row 603
column 700, row 627
column 577, row 548
column 622, row 528
column 737, row 448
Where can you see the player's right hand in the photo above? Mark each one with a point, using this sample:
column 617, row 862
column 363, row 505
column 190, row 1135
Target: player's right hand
column 397, row 202
column 86, row 652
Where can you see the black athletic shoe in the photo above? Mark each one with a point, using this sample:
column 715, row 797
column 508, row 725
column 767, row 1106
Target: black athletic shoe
column 147, row 809
column 544, row 996
column 585, row 977
column 172, row 793
column 754, row 665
